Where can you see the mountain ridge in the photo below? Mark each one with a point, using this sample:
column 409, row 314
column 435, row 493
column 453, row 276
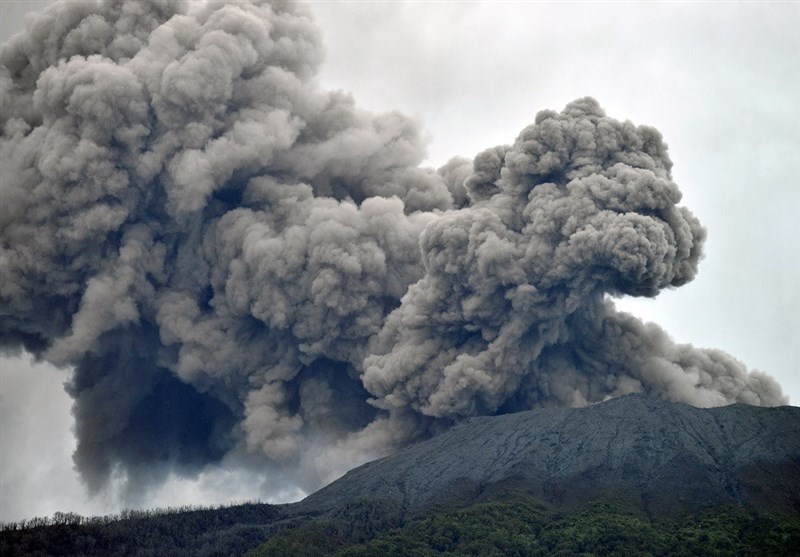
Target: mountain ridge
column 633, row 473
column 660, row 456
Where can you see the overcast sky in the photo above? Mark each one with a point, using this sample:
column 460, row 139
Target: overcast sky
column 721, row 81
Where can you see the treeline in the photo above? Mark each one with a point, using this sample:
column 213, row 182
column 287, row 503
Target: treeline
column 70, row 518
column 182, row 531
column 511, row 526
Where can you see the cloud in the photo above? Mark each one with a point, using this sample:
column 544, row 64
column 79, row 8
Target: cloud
column 245, row 268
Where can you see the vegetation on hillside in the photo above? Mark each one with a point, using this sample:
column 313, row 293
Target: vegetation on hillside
column 523, row 528
column 514, row 526
column 189, row 532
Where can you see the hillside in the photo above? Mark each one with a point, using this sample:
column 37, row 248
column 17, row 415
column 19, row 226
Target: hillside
column 631, row 476
column 661, row 457
column 523, row 527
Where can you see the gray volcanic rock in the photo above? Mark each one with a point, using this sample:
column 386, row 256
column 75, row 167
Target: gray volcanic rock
column 664, row 458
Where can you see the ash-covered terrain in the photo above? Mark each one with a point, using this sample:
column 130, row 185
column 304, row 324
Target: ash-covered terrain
column 662, row 457
column 630, row 476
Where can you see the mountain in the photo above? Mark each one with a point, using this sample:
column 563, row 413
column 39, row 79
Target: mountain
column 630, row 476
column 661, row 457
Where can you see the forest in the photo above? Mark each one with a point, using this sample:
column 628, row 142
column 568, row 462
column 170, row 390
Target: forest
column 514, row 525
column 178, row 532
column 523, row 527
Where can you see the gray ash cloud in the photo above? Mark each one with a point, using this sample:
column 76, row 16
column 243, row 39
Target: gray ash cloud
column 241, row 266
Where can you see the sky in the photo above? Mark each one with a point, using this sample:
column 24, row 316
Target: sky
column 720, row 81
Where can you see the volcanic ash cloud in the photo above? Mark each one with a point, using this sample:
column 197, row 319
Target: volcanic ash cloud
column 242, row 267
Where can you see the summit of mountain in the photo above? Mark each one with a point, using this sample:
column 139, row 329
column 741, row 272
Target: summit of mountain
column 660, row 457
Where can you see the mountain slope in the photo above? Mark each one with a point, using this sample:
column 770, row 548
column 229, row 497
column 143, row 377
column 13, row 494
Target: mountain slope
column 631, row 476
column 663, row 458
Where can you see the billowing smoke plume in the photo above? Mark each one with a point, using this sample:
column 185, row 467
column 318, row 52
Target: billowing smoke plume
column 237, row 263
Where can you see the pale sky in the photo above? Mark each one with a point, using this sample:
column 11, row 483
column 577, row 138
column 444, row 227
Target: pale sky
column 721, row 81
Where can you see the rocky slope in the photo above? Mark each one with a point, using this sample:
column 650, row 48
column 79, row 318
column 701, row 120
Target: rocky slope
column 661, row 457
column 634, row 473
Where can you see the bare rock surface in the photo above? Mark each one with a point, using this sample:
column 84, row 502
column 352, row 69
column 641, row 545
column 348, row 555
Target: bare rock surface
column 663, row 457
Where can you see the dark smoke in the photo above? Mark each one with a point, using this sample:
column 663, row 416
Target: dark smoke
column 238, row 264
